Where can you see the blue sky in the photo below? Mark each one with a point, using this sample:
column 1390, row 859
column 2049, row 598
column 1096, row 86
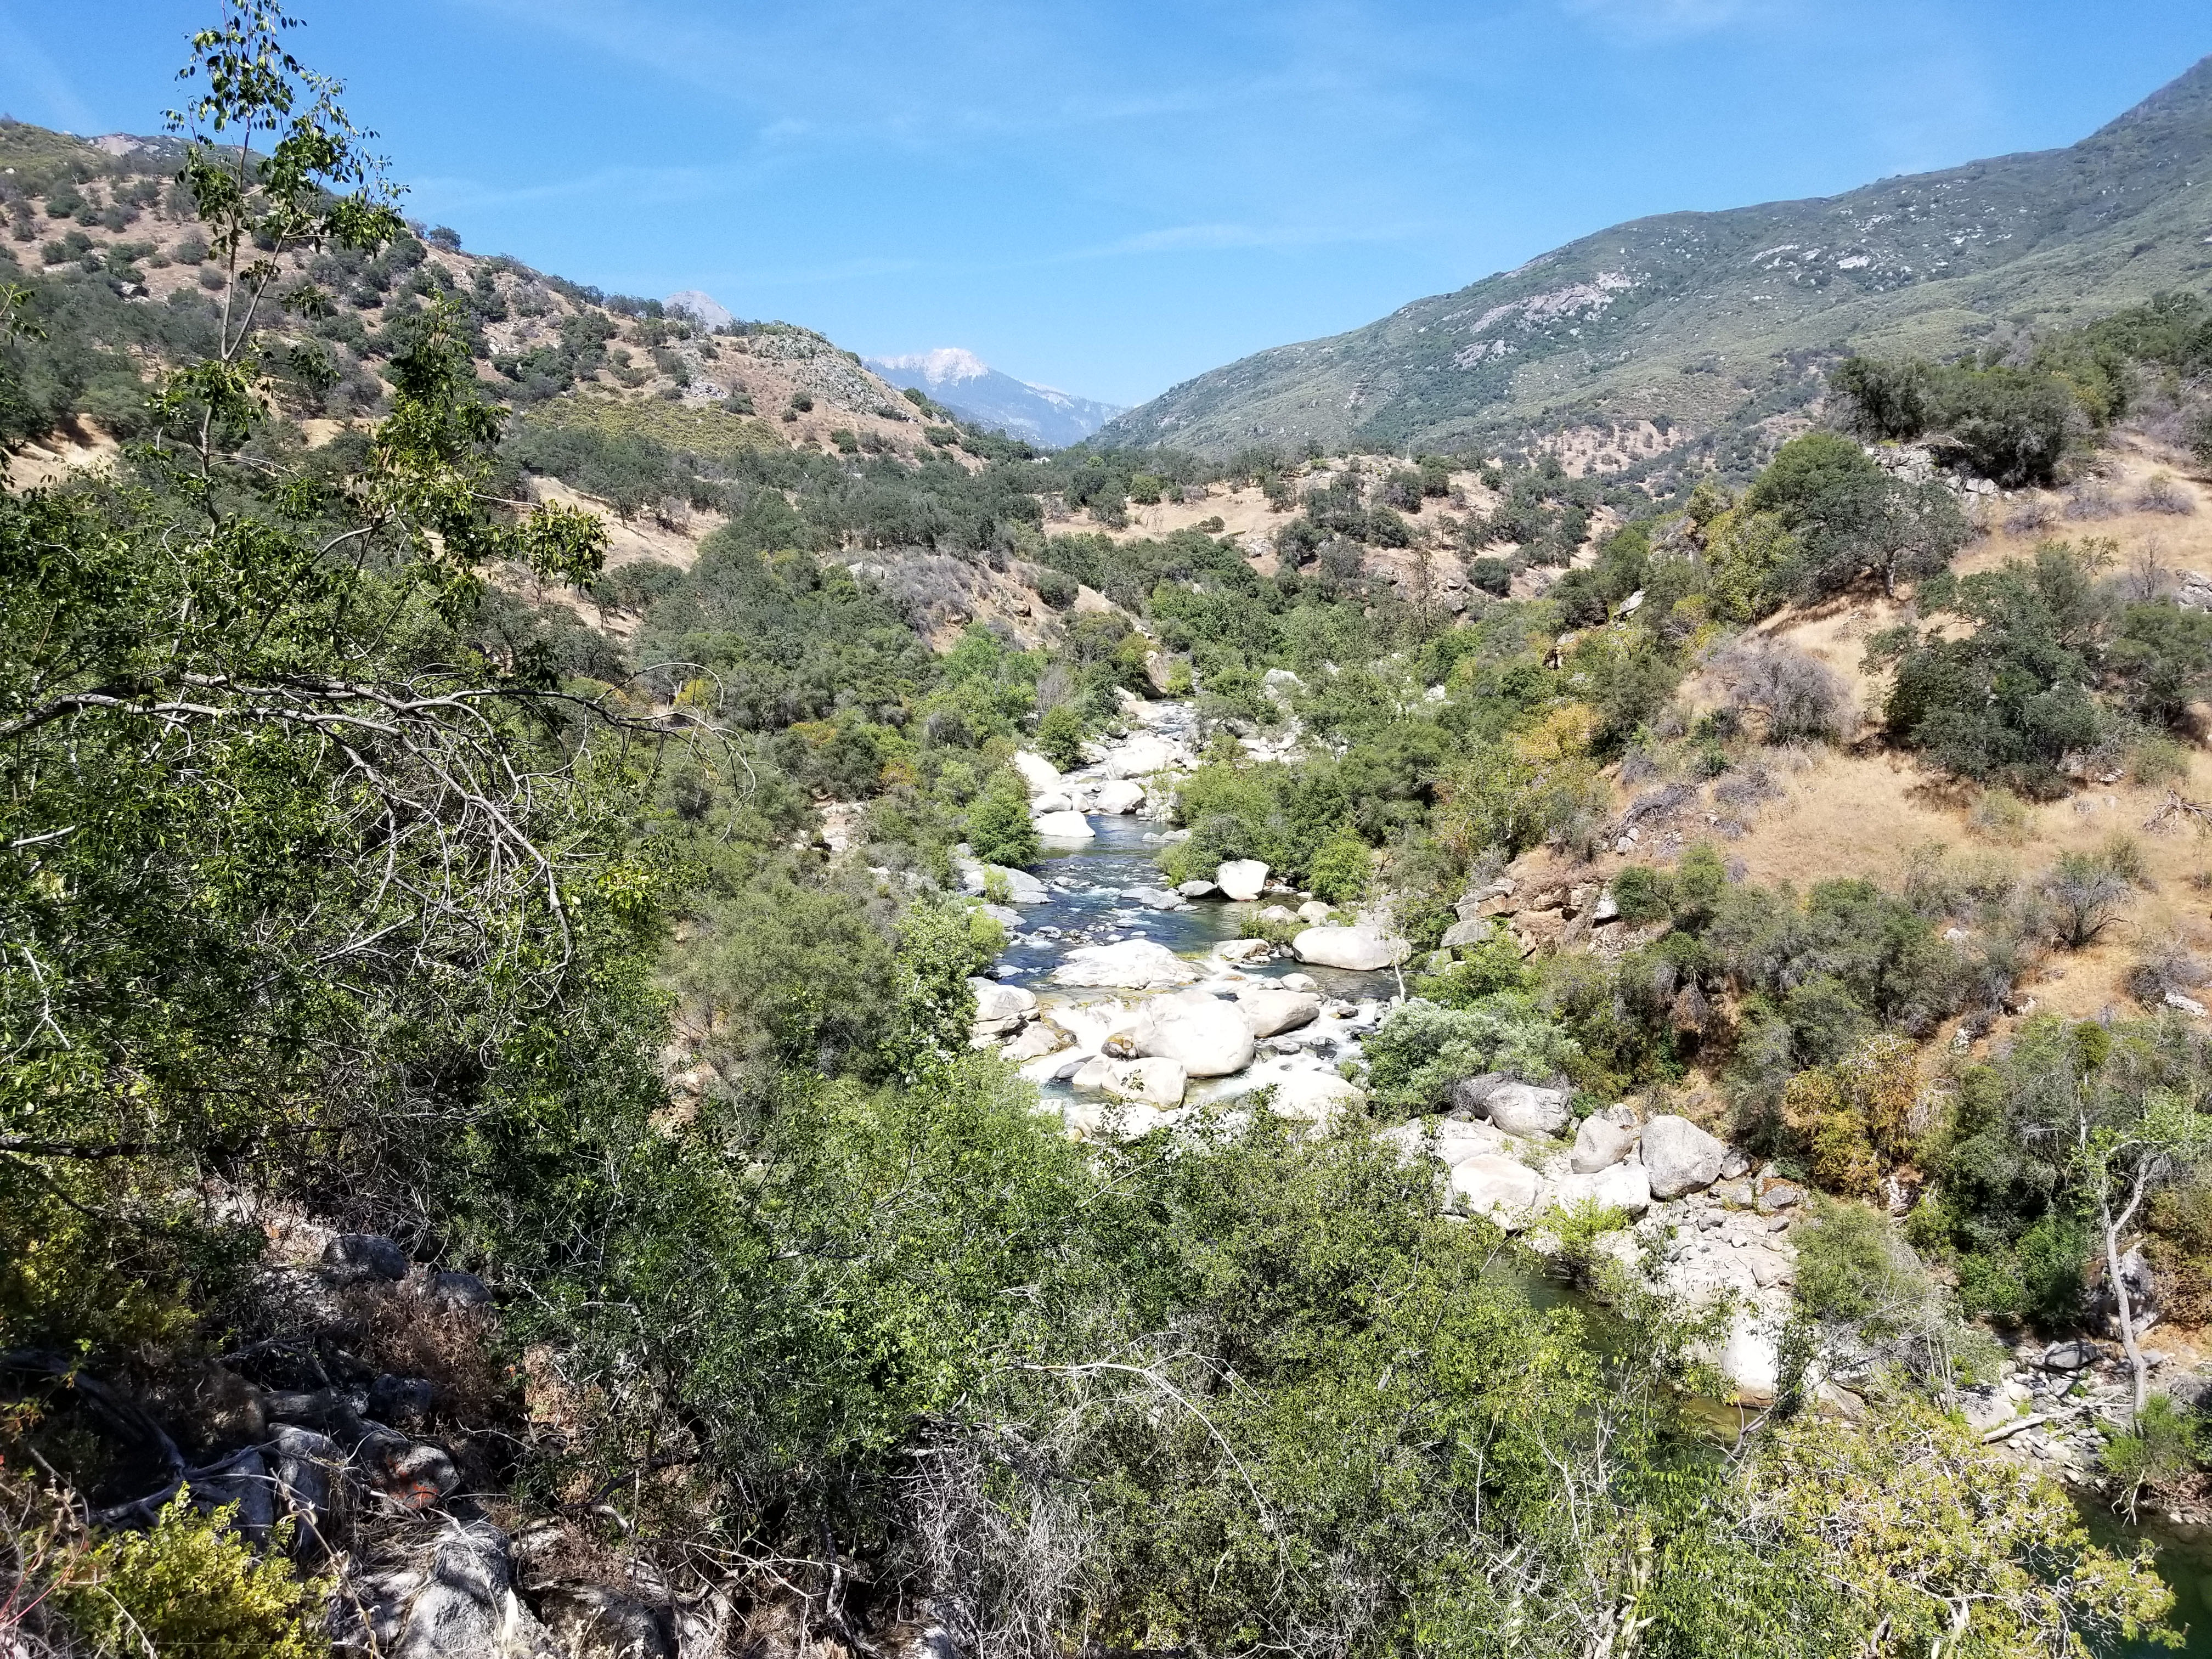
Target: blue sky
column 1110, row 197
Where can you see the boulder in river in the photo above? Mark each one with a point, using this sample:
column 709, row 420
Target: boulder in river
column 977, row 878
column 995, row 1002
column 1273, row 1010
column 1359, row 949
column 1622, row 1187
column 1680, row 1157
column 1131, row 964
column 1207, row 1036
column 1529, row 1110
column 1038, row 772
column 1312, row 1096
column 1241, row 880
column 1119, row 798
column 1199, row 889
column 1142, row 756
column 1064, row 826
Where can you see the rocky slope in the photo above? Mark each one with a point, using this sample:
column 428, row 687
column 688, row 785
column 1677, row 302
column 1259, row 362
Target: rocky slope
column 1695, row 319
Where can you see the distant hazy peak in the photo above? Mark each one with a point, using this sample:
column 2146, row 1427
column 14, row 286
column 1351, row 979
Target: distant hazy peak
column 703, row 308
column 942, row 366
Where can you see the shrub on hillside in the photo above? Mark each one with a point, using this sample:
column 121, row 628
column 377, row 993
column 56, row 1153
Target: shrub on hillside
column 1799, row 696
column 999, row 826
column 1421, row 1050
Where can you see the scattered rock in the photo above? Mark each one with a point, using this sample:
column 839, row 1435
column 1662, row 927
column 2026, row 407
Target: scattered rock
column 2070, row 1356
column 1037, row 1039
column 1299, row 982
column 451, row 1289
column 592, row 1622
column 1622, row 1187
column 1461, row 934
column 1312, row 1096
column 1528, row 1109
column 995, row 1002
column 1241, row 880
column 1195, row 889
column 1359, row 949
column 1680, row 1157
column 1142, row 756
column 366, row 1255
column 1314, row 911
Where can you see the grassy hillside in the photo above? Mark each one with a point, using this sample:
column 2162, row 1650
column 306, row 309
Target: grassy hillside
column 1709, row 318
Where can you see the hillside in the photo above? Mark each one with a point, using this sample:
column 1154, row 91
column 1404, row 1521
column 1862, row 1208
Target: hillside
column 975, row 391
column 1706, row 320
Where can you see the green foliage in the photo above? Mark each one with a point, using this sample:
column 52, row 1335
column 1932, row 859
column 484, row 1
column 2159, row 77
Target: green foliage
column 193, row 1586
column 1421, row 1050
column 1847, row 515
column 1342, row 870
column 999, row 826
column 2009, row 424
column 1060, row 736
column 1483, row 970
column 2165, row 1444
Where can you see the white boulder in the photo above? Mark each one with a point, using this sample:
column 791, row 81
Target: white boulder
column 1273, row 1010
column 1040, row 773
column 1242, row 878
column 977, row 878
column 1680, row 1157
column 1119, row 798
column 1037, row 1041
column 1600, row 1145
column 997, row 1001
column 1208, row 1036
column 1142, row 756
column 1619, row 1186
column 1131, row 964
column 1156, row 1080
column 1314, row 911
column 1064, row 826
column 1353, row 948
column 1503, row 1188
column 1528, row 1109
column 1312, row 1096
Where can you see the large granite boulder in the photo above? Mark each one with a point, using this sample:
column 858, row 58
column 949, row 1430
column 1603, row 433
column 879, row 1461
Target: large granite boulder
column 1143, row 755
column 1038, row 772
column 1680, row 1157
column 1065, row 826
column 1622, row 1187
column 1503, row 1188
column 1599, row 1144
column 1312, row 1096
column 1210, row 1037
column 1130, row 964
column 1241, row 880
column 1359, row 949
column 1272, row 1011
column 1119, row 798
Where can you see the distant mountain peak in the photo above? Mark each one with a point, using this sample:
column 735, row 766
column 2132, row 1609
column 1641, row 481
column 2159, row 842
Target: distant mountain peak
column 702, row 307
column 975, row 391
column 945, row 365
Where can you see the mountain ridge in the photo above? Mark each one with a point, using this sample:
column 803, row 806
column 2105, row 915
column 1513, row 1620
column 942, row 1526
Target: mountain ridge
column 1721, row 319
column 975, row 391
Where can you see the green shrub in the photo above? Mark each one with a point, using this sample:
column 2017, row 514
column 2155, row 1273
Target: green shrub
column 999, row 826
column 1421, row 1050
column 192, row 1586
column 1060, row 736
column 1341, row 872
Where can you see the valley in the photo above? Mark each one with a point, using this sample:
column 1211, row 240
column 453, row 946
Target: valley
column 1534, row 982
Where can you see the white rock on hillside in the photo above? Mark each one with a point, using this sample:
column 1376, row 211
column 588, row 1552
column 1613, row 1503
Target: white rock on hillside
column 1207, row 1036
column 1622, row 1187
column 1241, row 880
column 997, row 1001
column 1272, row 1011
column 1528, row 1109
column 1353, row 948
column 1064, row 826
column 1119, row 799
column 1312, row 1096
column 1680, row 1157
column 1600, row 1145
column 1040, row 773
column 1503, row 1188
column 1132, row 964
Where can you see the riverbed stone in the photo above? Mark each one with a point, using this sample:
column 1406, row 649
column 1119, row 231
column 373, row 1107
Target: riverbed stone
column 1622, row 1187
column 1359, row 949
column 1312, row 1096
column 1129, row 964
column 1142, row 756
column 994, row 1001
column 1209, row 1038
column 1197, row 887
column 1241, row 880
column 1065, row 826
column 1680, row 1157
column 1273, row 1010
column 1119, row 798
